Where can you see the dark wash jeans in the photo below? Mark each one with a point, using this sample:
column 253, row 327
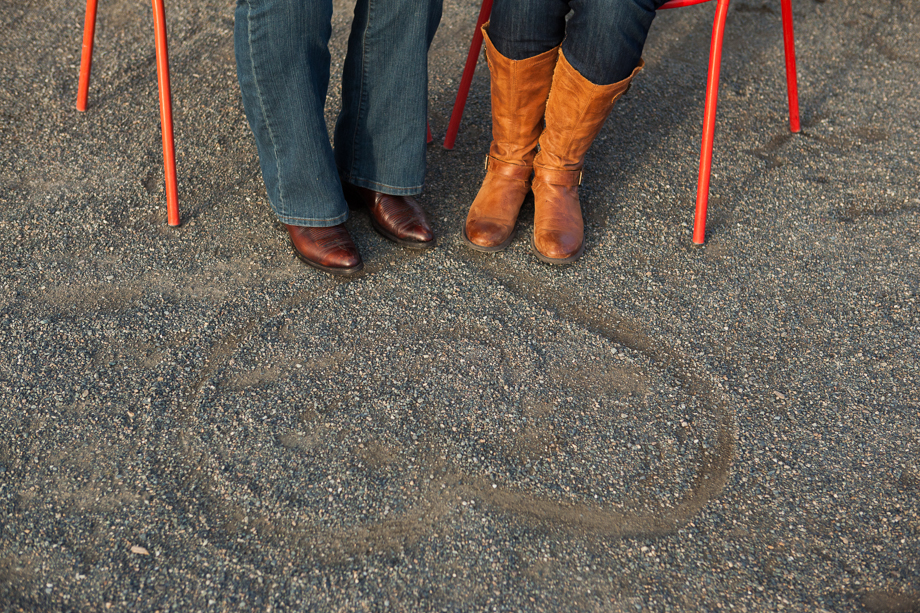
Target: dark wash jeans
column 283, row 65
column 603, row 39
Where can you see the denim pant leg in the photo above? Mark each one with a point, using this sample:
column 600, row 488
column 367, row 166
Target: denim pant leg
column 603, row 39
column 380, row 134
column 283, row 59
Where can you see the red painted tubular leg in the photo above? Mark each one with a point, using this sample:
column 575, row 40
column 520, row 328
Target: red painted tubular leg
column 166, row 124
column 86, row 57
column 791, row 83
column 676, row 4
column 472, row 57
column 709, row 122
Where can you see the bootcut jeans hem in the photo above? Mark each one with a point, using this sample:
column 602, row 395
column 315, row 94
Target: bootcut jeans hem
column 313, row 223
column 383, row 188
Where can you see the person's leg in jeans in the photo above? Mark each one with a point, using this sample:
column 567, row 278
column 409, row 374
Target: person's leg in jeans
column 282, row 59
column 603, row 39
column 380, row 135
column 283, row 67
column 522, row 29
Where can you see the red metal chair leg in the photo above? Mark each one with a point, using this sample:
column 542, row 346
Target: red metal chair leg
column 709, row 122
column 166, row 124
column 468, row 70
column 86, row 59
column 428, row 138
column 791, row 84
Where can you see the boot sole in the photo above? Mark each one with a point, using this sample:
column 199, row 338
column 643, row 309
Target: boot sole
column 555, row 261
column 339, row 272
column 480, row 248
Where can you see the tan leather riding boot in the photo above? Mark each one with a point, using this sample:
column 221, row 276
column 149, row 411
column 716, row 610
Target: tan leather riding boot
column 575, row 114
column 519, row 92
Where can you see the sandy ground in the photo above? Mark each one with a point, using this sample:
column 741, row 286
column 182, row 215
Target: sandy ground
column 192, row 420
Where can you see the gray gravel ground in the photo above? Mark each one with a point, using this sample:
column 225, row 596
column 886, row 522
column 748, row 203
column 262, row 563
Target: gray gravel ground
column 192, row 420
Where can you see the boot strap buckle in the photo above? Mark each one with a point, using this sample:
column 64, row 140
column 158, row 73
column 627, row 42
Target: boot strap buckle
column 506, row 169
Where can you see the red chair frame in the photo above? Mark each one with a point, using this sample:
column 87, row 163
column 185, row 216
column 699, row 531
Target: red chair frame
column 166, row 123
column 712, row 92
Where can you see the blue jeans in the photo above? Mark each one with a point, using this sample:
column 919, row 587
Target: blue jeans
column 283, row 64
column 603, row 39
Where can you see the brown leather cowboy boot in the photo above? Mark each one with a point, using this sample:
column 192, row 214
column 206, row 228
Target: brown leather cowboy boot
column 328, row 249
column 398, row 218
column 575, row 112
column 519, row 92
